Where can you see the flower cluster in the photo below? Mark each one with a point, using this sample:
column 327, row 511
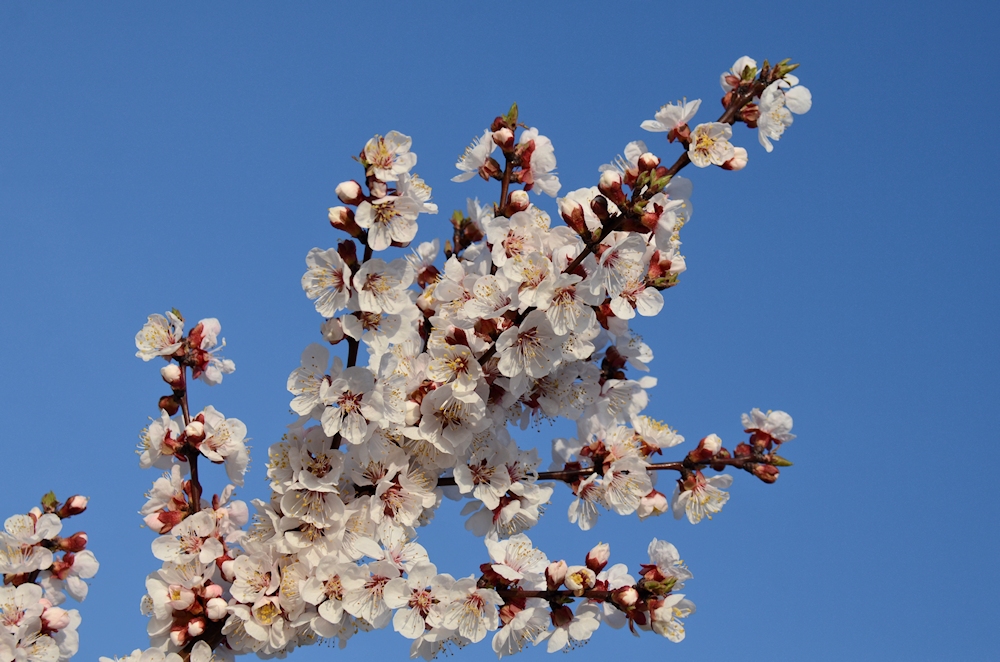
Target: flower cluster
column 39, row 569
column 522, row 319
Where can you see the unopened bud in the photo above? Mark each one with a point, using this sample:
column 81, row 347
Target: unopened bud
column 228, row 568
column 611, row 186
column 211, row 591
column 598, row 557
column 599, row 205
column 504, row 139
column 216, row 609
column 342, row 218
column 648, row 161
column 490, row 170
column 74, row 505
column 162, row 521
column 572, row 212
column 766, row 472
column 779, row 461
column 626, row 596
column 179, row 637
column 332, row 330
column 711, row 443
column 377, row 187
column 350, row 192
column 75, row 543
column 412, row 412
column 171, row 374
column 580, row 578
column 169, row 404
column 195, row 431
column 555, row 574
column 739, row 160
column 196, row 627
column 519, row 201
column 54, row 619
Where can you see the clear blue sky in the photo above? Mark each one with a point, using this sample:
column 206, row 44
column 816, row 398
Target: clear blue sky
column 184, row 155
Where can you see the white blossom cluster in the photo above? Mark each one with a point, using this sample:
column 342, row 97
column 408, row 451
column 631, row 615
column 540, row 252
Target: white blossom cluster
column 523, row 319
column 39, row 569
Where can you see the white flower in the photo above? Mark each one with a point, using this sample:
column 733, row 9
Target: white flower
column 382, row 288
column 351, row 402
column 671, row 117
column 363, row 597
column 389, row 219
column 151, row 442
column 191, row 540
column 305, row 381
column 528, row 351
column 667, row 615
column 225, row 442
column 526, row 626
column 472, row 611
column 710, row 144
column 775, row 424
column 776, row 108
column 540, row 161
column 328, row 281
column 578, row 629
column 700, row 497
column 474, row 157
column 390, row 156
column 516, row 558
column 414, row 597
column 159, row 336
column 625, row 483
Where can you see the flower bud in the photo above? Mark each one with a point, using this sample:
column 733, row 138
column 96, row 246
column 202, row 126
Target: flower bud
column 739, row 160
column 611, row 186
column 196, row 627
column 228, row 569
column 504, row 139
column 598, row 557
column 580, row 578
column 178, row 636
column 377, row 187
column 216, row 609
column 54, row 618
column 75, row 543
column 555, row 574
column 342, row 218
column 625, row 596
column 169, row 404
column 572, row 213
column 171, row 374
column 518, row 201
column 74, row 506
column 412, row 411
column 711, row 443
column 195, row 431
column 648, row 161
column 162, row 521
column 599, row 205
column 490, row 170
column 766, row 472
column 332, row 331
column 350, row 192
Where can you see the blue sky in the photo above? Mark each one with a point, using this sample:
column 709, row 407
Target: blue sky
column 185, row 155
